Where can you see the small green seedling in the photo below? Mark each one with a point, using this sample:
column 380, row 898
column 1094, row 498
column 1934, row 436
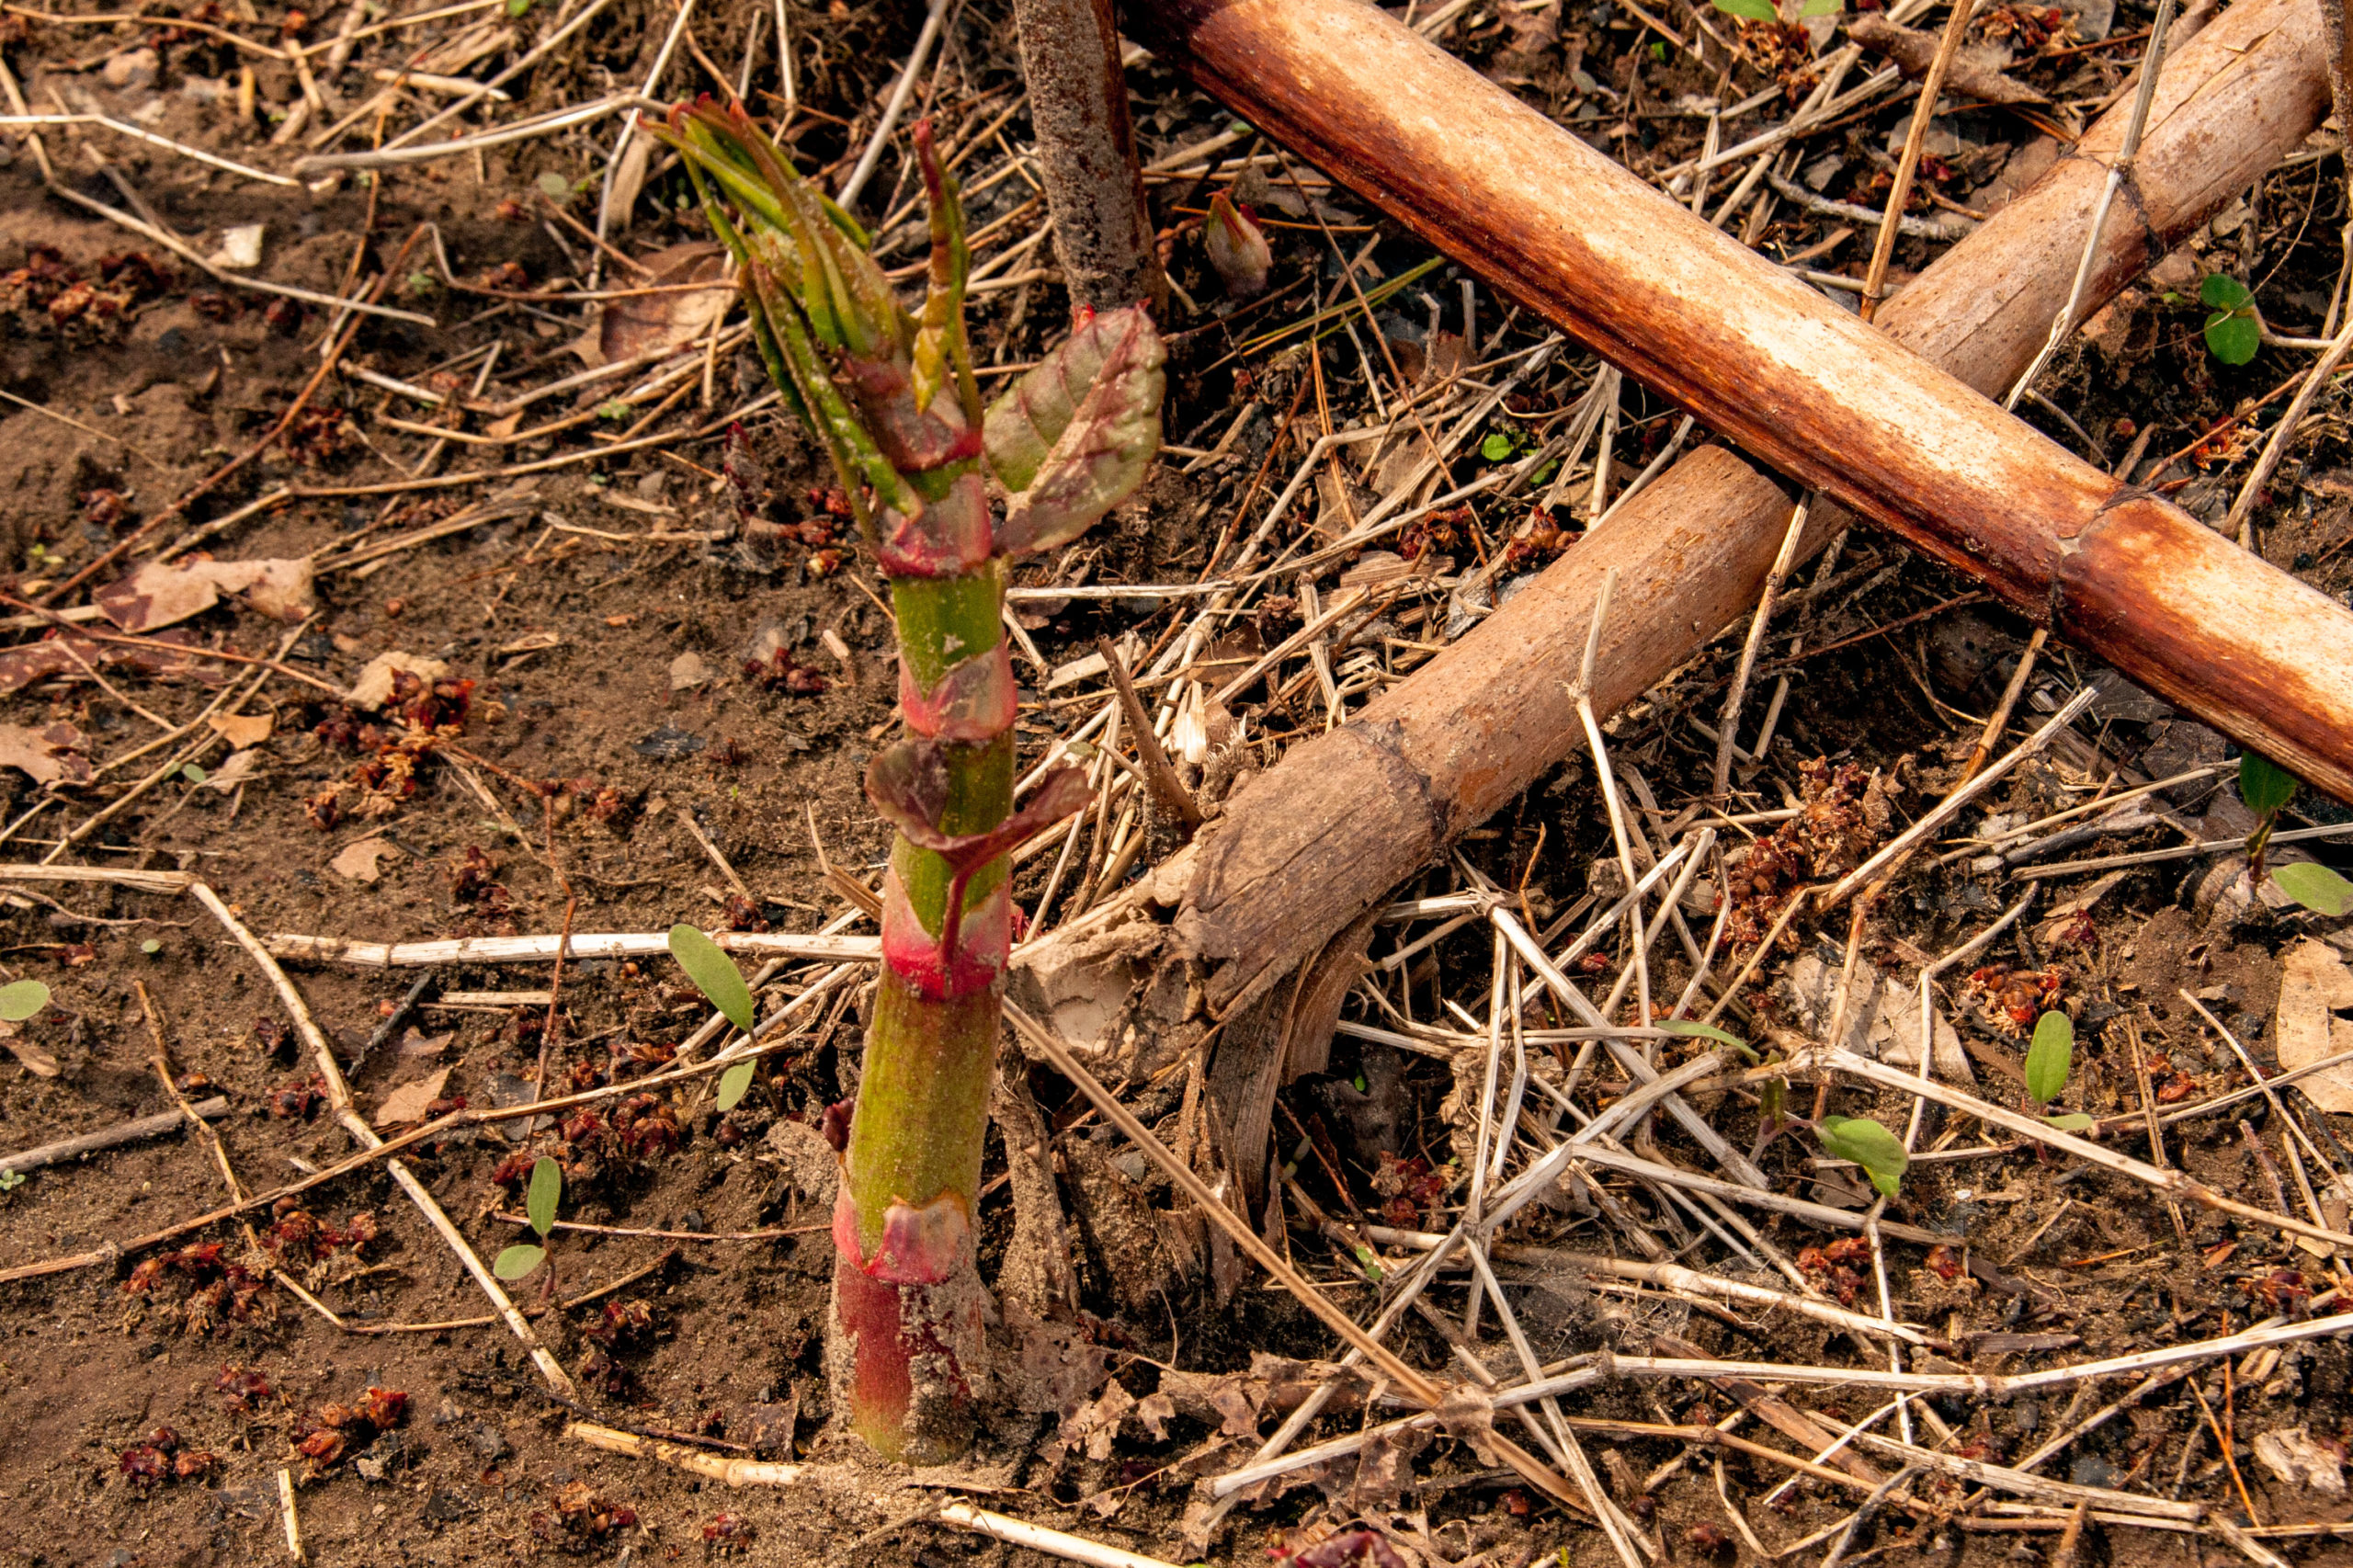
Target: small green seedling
column 538, row 1207
column 2266, row 788
column 11, row 1180
column 22, row 1000
column 722, row 984
column 1869, row 1145
column 2048, row 1061
column 193, row 774
column 2049, row 1058
column 2234, row 332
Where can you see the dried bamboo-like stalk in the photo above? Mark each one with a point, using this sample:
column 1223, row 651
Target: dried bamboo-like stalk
column 1826, row 399
column 1078, row 105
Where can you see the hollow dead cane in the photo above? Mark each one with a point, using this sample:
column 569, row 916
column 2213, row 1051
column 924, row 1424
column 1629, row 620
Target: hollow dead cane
column 892, row 397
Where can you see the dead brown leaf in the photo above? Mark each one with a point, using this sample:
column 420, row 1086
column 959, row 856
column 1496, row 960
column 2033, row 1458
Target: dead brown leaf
column 34, row 1060
column 407, row 1102
column 162, row 593
column 655, row 324
column 2314, row 982
column 70, row 653
column 359, row 862
column 241, row 729
column 51, row 754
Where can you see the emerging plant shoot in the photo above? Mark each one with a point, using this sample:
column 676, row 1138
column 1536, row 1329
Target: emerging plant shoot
column 892, row 397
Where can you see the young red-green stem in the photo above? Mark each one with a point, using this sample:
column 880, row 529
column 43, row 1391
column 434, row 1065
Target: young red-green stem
column 892, row 396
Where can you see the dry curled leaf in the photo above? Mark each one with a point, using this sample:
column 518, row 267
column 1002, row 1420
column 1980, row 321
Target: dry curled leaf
column 31, row 1057
column 374, row 687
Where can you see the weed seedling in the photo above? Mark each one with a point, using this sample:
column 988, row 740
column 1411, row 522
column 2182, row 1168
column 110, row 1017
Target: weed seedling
column 2048, row 1061
column 2234, row 332
column 721, row 984
column 2266, row 788
column 538, row 1207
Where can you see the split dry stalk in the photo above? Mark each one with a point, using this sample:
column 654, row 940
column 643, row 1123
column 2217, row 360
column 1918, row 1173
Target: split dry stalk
column 1344, row 818
column 892, row 397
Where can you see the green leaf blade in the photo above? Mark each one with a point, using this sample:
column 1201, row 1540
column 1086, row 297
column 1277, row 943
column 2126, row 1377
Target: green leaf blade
column 546, row 1192
column 1869, row 1145
column 2073, row 1121
column 517, row 1261
column 733, row 1084
column 2050, row 1057
column 714, row 974
column 2317, row 888
column 22, row 1000
column 1749, row 10
column 2264, row 785
column 2221, row 292
column 2235, row 339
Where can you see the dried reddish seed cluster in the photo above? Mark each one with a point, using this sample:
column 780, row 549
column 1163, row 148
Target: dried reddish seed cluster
column 161, row 1459
column 49, row 286
column 334, row 1430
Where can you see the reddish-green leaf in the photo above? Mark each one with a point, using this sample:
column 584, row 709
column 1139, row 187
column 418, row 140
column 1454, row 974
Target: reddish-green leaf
column 1073, row 437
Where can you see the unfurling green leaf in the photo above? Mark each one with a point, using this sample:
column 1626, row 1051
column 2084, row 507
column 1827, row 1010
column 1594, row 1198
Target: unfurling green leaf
column 714, row 974
column 733, row 1084
column 2073, row 1121
column 546, row 1192
column 1073, row 437
column 1869, row 1145
column 2264, row 785
column 2049, row 1058
column 2221, row 292
column 2234, row 337
column 2315, row 887
column 22, row 1000
column 518, row 1260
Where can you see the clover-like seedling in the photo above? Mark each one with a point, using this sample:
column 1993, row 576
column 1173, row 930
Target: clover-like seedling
column 538, row 1207
column 2234, row 332
column 721, row 984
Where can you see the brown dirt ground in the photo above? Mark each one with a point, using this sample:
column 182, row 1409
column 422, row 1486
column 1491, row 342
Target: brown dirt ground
column 571, row 639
